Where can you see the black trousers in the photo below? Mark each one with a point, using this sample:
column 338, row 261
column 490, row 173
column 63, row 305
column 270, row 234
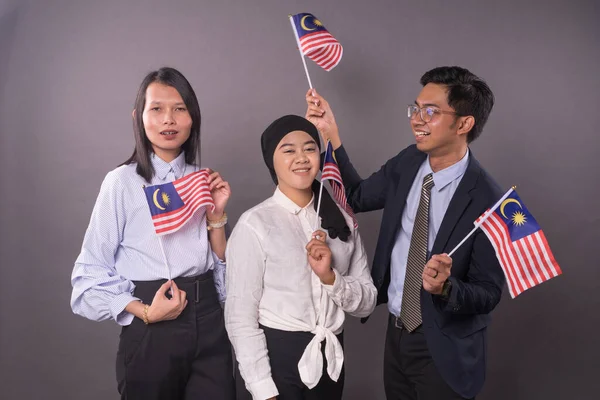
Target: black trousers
column 285, row 350
column 408, row 369
column 187, row 358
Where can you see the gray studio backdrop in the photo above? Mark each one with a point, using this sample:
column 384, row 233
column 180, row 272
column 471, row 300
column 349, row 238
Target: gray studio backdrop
column 69, row 71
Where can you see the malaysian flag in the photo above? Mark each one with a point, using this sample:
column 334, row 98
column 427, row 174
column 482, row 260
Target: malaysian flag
column 316, row 42
column 520, row 244
column 331, row 172
column 172, row 204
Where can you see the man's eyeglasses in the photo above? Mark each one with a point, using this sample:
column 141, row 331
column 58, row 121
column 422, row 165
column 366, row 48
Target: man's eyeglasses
column 426, row 113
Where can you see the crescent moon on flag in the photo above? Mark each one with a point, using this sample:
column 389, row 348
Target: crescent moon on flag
column 505, row 202
column 304, row 24
column 156, row 200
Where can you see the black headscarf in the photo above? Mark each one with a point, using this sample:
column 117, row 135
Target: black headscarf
column 332, row 219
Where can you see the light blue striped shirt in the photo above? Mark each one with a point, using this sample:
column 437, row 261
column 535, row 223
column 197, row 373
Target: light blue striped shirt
column 121, row 246
column 445, row 183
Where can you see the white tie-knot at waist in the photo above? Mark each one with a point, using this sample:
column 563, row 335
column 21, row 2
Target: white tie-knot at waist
column 310, row 365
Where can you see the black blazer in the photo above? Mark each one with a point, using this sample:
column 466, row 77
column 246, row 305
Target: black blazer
column 455, row 330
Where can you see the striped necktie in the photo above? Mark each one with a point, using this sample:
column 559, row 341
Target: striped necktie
column 410, row 314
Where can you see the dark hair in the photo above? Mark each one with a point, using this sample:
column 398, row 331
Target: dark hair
column 143, row 147
column 467, row 94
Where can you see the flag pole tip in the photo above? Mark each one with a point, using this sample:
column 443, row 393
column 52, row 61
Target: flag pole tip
column 514, row 187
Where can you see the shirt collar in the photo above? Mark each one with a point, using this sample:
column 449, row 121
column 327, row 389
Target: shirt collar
column 288, row 204
column 162, row 168
column 442, row 178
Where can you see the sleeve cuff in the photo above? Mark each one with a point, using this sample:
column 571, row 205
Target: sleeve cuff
column 264, row 389
column 335, row 290
column 449, row 304
column 453, row 298
column 340, row 153
column 219, row 270
column 216, row 258
column 117, row 308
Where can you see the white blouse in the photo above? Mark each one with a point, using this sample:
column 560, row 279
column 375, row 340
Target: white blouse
column 269, row 281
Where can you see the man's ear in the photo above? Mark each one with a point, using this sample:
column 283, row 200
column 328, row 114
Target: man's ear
column 465, row 125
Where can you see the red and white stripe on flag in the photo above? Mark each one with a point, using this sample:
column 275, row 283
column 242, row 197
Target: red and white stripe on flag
column 194, row 192
column 322, row 48
column 526, row 262
column 331, row 172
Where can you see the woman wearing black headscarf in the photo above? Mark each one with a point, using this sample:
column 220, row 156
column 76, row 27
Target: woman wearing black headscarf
column 288, row 286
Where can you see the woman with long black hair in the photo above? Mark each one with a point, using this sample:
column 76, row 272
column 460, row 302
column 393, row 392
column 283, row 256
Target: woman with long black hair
column 173, row 343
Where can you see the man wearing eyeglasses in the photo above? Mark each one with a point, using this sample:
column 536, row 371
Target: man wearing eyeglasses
column 430, row 193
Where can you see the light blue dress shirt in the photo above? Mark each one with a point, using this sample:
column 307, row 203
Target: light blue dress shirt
column 445, row 183
column 121, row 246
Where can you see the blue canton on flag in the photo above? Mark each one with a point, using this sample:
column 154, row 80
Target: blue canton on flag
column 172, row 204
column 163, row 199
column 520, row 244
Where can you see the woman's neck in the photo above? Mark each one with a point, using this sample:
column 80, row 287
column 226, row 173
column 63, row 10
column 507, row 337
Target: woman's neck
column 167, row 155
column 299, row 196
